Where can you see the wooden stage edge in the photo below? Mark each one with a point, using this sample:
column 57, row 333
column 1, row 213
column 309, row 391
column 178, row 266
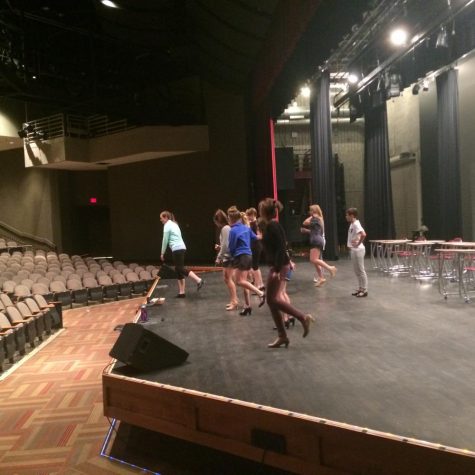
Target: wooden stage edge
column 295, row 442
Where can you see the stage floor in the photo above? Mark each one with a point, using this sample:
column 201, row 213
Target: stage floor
column 399, row 361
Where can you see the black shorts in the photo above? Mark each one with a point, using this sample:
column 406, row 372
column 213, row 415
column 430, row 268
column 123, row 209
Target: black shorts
column 242, row 262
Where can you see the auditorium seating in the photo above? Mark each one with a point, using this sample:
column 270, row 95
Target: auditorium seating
column 27, row 315
column 14, row 339
column 71, row 279
column 29, row 326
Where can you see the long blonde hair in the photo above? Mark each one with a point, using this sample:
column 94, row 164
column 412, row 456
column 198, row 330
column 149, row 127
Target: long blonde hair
column 315, row 209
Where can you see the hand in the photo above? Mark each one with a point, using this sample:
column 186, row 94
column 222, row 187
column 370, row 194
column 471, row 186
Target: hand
column 217, row 247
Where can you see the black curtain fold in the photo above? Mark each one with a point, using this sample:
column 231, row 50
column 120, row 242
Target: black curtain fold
column 378, row 202
column 450, row 214
column 323, row 167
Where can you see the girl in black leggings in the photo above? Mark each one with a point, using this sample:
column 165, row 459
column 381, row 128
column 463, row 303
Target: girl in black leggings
column 274, row 242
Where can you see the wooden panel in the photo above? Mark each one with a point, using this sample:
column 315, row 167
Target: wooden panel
column 312, row 445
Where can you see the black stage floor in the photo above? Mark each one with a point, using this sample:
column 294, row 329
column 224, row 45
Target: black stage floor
column 399, row 361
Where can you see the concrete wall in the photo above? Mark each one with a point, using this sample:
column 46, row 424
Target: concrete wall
column 466, row 80
column 192, row 186
column 404, row 137
column 28, row 197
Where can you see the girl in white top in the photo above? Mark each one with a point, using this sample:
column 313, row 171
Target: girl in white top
column 356, row 236
column 172, row 238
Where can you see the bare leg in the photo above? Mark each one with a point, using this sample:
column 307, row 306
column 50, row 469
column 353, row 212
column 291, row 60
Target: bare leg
column 194, row 277
column 181, row 286
column 241, row 281
column 315, row 255
column 228, row 280
column 258, row 279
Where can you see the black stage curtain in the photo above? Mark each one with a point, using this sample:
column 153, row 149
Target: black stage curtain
column 379, row 213
column 323, row 167
column 449, row 159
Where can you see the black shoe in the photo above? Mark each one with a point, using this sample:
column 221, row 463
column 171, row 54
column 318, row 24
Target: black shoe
column 262, row 299
column 362, row 293
column 355, row 293
column 200, row 284
column 180, row 296
column 245, row 311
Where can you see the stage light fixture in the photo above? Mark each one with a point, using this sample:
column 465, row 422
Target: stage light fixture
column 393, row 85
column 352, row 78
column 28, row 127
column 22, row 134
column 416, row 88
column 305, row 91
column 398, row 37
column 109, row 3
column 425, row 85
column 442, row 38
column 41, row 135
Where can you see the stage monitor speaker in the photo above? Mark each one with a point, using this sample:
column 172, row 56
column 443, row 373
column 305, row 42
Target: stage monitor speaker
column 144, row 350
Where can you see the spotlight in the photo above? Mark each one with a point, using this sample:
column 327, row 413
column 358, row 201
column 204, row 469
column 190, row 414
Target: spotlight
column 398, row 37
column 352, row 78
column 425, row 85
column 442, row 38
column 305, row 91
column 22, row 134
column 415, row 89
column 28, row 127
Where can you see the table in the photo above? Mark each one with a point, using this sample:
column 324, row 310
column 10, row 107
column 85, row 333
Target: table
column 461, row 271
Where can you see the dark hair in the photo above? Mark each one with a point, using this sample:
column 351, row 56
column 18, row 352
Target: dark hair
column 220, row 218
column 234, row 214
column 251, row 211
column 352, row 212
column 268, row 208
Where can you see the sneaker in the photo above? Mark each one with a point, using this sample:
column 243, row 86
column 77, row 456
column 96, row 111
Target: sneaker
column 200, row 284
column 180, row 296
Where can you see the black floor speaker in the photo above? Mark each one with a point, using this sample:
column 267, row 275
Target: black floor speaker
column 145, row 350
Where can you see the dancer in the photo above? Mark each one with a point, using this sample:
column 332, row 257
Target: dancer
column 172, row 238
column 314, row 225
column 256, row 248
column 240, row 238
column 224, row 257
column 356, row 236
column 275, row 250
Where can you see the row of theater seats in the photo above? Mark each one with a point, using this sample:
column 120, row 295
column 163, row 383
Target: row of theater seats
column 23, row 322
column 72, row 279
column 10, row 245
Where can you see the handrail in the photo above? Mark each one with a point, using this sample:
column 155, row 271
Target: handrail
column 23, row 234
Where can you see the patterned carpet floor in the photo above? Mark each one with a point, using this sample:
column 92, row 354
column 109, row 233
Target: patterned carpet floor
column 51, row 411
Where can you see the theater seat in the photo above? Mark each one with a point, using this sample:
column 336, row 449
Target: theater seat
column 16, row 320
